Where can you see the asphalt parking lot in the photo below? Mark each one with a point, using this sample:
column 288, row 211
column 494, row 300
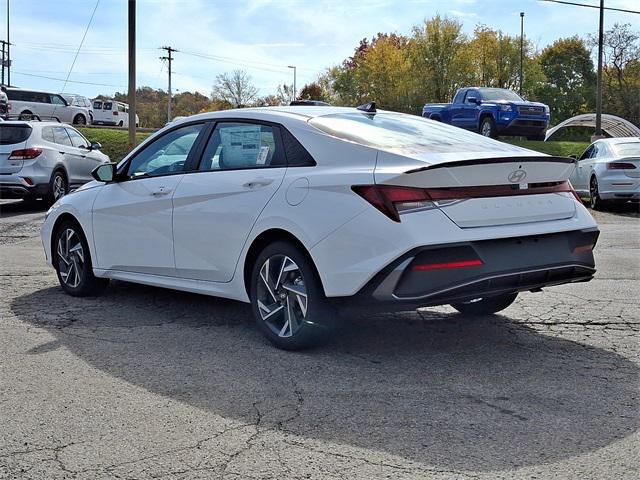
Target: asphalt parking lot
column 149, row 383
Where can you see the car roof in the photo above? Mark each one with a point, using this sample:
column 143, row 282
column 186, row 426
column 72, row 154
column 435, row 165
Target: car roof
column 35, row 123
column 31, row 90
column 618, row 140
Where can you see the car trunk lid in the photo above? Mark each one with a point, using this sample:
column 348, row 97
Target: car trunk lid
column 503, row 190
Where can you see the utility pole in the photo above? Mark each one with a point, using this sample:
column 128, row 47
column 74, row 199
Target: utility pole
column 294, row 81
column 8, row 49
column 599, row 81
column 521, row 48
column 132, row 73
column 169, row 59
column 3, row 59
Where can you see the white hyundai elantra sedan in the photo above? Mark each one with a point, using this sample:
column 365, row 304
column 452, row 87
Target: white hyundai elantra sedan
column 307, row 211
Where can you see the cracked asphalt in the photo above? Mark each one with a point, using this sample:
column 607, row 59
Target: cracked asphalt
column 144, row 383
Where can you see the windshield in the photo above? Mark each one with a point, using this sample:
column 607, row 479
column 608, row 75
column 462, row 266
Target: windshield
column 627, row 149
column 404, row 134
column 10, row 134
column 499, row 94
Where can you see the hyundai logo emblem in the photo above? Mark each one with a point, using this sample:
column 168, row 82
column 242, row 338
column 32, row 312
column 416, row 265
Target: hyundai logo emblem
column 517, row 176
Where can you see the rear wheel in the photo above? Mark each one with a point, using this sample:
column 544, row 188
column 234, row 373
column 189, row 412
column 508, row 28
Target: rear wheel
column 485, row 305
column 121, row 123
column 72, row 261
column 488, row 128
column 287, row 299
column 595, row 202
column 58, row 187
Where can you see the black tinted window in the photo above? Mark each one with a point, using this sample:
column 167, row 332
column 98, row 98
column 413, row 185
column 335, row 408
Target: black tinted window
column 234, row 146
column 10, row 134
column 107, row 105
column 297, row 155
column 97, row 105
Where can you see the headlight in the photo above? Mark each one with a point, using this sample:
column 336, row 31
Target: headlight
column 506, row 108
column 52, row 208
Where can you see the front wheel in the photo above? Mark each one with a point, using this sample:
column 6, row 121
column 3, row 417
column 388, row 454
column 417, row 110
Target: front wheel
column 485, row 305
column 488, row 128
column 287, row 299
column 72, row 261
column 58, row 187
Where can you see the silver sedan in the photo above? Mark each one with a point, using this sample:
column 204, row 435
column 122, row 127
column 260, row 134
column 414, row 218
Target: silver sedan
column 609, row 171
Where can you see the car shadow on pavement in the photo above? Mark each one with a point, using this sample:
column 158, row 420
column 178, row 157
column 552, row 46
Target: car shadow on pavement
column 436, row 388
column 19, row 207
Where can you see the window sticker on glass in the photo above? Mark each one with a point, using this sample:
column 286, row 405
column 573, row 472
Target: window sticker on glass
column 240, row 145
column 262, row 156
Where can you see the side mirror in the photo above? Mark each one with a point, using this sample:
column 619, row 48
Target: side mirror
column 104, row 173
column 95, row 146
column 475, row 100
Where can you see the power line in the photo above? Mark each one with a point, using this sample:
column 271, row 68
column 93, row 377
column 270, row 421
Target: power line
column 591, row 6
column 69, row 81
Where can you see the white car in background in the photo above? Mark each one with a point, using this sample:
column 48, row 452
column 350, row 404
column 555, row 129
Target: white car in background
column 111, row 112
column 305, row 211
column 44, row 159
column 79, row 101
column 26, row 104
column 609, row 171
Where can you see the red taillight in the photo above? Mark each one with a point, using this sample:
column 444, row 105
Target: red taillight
column 115, row 113
column 620, row 166
column 25, row 154
column 446, row 265
column 391, row 200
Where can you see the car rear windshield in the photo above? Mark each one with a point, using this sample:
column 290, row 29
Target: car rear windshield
column 10, row 134
column 404, row 134
column 499, row 94
column 627, row 149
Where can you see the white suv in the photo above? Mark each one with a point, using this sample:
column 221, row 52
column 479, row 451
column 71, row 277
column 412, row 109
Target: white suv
column 24, row 104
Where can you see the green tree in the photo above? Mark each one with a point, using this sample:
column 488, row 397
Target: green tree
column 569, row 88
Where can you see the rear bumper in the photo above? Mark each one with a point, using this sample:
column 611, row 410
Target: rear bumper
column 507, row 265
column 19, row 190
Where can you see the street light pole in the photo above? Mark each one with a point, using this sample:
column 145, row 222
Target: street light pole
column 599, row 81
column 294, row 81
column 132, row 73
column 521, row 48
column 8, row 49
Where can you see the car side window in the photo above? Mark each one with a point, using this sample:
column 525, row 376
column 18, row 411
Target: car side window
column 61, row 137
column 97, row 105
column 165, row 155
column 587, row 153
column 47, row 134
column 234, row 146
column 77, row 140
column 57, row 100
column 459, row 98
column 472, row 93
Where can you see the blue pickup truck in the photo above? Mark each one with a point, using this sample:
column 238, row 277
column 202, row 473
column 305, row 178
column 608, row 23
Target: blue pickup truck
column 492, row 112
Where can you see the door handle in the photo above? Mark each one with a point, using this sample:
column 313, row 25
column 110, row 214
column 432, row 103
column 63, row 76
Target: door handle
column 62, row 153
column 258, row 182
column 161, row 191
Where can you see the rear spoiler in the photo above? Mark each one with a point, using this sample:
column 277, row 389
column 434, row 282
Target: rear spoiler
column 485, row 161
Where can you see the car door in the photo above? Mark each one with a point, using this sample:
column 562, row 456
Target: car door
column 84, row 160
column 578, row 177
column 43, row 106
column 60, row 109
column 132, row 216
column 456, row 108
column 242, row 167
column 469, row 110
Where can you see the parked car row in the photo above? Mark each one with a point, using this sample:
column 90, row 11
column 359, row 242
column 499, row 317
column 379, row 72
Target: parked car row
column 19, row 103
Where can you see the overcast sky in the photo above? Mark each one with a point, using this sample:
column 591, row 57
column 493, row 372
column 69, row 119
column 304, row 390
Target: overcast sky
column 260, row 36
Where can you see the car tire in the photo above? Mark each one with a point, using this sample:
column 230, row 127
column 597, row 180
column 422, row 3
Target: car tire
column 486, row 305
column 121, row 123
column 58, row 187
column 595, row 202
column 79, row 120
column 488, row 128
column 288, row 300
column 25, row 116
column 72, row 260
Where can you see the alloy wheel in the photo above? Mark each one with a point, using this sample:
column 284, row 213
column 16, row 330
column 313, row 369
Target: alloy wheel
column 71, row 258
column 58, row 187
column 593, row 194
column 282, row 296
column 486, row 129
